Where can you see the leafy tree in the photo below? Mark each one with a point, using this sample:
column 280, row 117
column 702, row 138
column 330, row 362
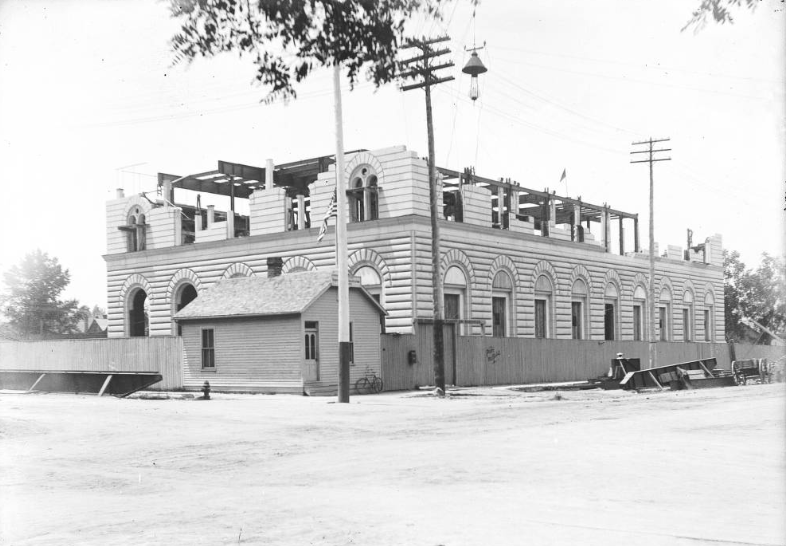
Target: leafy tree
column 32, row 301
column 287, row 39
column 719, row 11
column 758, row 294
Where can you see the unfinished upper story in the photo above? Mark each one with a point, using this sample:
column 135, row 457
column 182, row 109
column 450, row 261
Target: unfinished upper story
column 236, row 201
column 521, row 262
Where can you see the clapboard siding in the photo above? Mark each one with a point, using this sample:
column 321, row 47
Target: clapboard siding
column 253, row 352
column 365, row 328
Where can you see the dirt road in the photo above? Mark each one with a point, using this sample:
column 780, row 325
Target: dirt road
column 486, row 466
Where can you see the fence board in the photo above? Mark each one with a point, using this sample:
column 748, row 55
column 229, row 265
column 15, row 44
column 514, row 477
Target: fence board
column 161, row 354
column 506, row 361
column 770, row 352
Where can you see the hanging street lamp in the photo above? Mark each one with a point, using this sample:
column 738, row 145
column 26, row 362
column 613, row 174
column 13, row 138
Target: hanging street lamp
column 473, row 68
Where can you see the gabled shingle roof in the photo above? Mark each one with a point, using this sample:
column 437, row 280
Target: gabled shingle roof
column 291, row 293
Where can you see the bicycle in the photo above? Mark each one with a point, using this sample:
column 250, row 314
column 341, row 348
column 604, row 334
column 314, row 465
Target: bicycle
column 369, row 383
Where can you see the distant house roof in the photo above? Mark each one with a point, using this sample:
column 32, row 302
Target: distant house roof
column 291, row 293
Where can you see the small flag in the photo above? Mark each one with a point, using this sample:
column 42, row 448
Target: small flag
column 331, row 211
column 564, row 178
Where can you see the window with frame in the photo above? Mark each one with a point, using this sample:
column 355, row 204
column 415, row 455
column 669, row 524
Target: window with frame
column 543, row 294
column 663, row 324
column 637, row 322
column 687, row 316
column 312, row 340
column 541, row 324
column 639, row 305
column 707, row 325
column 135, row 230
column 501, row 301
column 208, row 349
column 455, row 294
column 709, row 308
column 578, row 304
column 610, row 312
column 363, row 195
column 664, row 310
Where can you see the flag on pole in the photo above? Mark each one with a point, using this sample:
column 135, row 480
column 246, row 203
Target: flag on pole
column 564, row 178
column 331, row 211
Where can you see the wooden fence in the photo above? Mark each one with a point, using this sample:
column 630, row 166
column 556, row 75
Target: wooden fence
column 477, row 360
column 162, row 354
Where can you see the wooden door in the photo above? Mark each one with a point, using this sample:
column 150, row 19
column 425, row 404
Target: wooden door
column 311, row 358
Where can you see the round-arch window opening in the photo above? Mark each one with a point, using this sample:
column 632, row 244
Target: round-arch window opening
column 501, row 301
column 543, row 303
column 455, row 294
column 578, row 309
column 372, row 282
column 363, row 199
column 185, row 294
column 139, row 314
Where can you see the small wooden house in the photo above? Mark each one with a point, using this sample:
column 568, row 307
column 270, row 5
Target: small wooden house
column 277, row 334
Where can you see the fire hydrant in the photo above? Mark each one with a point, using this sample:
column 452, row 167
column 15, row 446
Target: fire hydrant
column 206, row 391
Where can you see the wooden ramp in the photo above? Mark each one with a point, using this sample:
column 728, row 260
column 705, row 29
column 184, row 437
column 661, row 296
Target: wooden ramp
column 78, row 382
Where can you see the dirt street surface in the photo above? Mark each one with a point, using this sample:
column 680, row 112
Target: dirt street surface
column 484, row 466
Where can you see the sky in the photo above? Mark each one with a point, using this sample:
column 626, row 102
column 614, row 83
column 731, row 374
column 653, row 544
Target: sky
column 90, row 101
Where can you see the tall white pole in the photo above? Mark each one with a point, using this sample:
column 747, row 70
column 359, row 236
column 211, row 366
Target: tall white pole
column 341, row 247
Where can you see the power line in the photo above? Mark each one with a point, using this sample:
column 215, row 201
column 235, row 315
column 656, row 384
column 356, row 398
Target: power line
column 652, row 158
column 639, row 81
column 637, row 65
column 424, row 67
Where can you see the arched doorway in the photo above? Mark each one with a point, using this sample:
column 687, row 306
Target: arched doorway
column 185, row 294
column 138, row 314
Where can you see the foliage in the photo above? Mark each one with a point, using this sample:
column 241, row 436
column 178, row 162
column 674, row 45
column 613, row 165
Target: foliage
column 289, row 38
column 758, row 294
column 32, row 303
column 719, row 11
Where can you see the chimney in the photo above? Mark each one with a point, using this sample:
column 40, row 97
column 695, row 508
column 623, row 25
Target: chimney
column 274, row 266
column 120, row 193
column 270, row 167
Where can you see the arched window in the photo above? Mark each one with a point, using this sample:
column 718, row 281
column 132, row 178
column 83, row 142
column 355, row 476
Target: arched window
column 185, row 294
column 372, row 282
column 639, row 313
column 362, row 195
column 664, row 314
column 543, row 307
column 687, row 316
column 610, row 307
column 138, row 314
column 455, row 294
column 709, row 313
column 135, row 230
column 578, row 309
column 502, row 305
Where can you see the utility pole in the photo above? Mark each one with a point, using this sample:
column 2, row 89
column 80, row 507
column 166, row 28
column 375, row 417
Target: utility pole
column 344, row 346
column 652, row 159
column 425, row 69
